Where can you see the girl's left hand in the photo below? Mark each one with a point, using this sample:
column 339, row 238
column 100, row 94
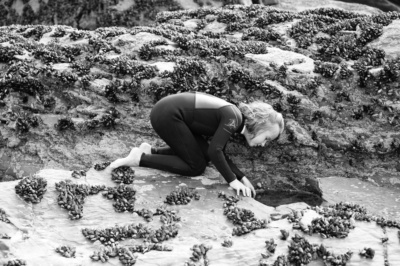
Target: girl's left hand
column 248, row 184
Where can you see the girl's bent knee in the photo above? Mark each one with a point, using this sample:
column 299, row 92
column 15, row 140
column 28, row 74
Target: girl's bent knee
column 197, row 170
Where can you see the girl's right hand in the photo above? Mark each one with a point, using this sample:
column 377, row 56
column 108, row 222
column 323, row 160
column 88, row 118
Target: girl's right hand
column 238, row 186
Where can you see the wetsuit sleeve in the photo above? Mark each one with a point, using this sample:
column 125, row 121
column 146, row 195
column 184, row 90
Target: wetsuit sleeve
column 235, row 170
column 230, row 121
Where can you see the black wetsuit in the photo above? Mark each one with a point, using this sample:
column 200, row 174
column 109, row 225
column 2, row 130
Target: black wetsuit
column 182, row 121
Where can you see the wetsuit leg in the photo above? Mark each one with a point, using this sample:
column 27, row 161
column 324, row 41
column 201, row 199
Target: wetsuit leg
column 188, row 159
column 166, row 150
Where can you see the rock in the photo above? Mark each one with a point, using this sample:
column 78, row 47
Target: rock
column 300, row 134
column 300, row 5
column 389, row 41
column 164, row 66
column 270, row 2
column 13, row 142
column 294, row 61
column 215, row 26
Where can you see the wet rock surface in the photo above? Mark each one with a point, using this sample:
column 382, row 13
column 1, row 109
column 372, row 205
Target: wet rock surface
column 71, row 98
column 36, row 233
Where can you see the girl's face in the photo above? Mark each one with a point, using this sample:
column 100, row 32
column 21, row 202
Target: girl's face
column 271, row 133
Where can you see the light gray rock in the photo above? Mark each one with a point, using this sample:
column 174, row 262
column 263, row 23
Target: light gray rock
column 389, row 41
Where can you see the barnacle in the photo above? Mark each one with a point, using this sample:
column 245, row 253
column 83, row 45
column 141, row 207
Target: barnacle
column 66, row 251
column 31, row 189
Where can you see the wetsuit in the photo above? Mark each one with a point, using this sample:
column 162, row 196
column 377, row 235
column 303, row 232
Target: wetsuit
column 182, row 120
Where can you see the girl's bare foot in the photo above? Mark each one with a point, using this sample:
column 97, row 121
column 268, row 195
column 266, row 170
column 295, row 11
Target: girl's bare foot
column 133, row 159
column 145, row 148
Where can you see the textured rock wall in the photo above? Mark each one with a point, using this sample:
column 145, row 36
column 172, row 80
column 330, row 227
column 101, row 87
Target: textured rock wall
column 92, row 14
column 70, row 98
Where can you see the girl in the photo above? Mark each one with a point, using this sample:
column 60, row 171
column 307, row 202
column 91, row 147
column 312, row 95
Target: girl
column 182, row 120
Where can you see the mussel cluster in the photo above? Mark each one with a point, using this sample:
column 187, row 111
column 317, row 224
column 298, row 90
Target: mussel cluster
column 227, row 243
column 387, row 223
column 167, row 216
column 147, row 51
column 301, row 252
column 181, row 196
column 368, row 253
column 111, row 236
column 5, row 236
column 72, row 197
column 76, row 35
column 345, row 211
column 331, row 227
column 280, row 261
column 146, row 247
column 199, row 254
column 126, row 257
column 331, row 259
column 3, row 216
column 146, row 214
column 104, row 254
column 58, row 32
column 78, row 173
column 16, row 262
column 101, row 166
column 64, row 124
column 270, row 246
column 66, row 251
column 165, row 232
column 7, row 53
column 243, row 218
column 284, row 234
column 123, row 174
column 326, row 69
column 124, row 197
column 31, row 189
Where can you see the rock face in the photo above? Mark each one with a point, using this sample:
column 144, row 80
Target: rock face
column 104, row 13
column 71, row 98
column 389, row 41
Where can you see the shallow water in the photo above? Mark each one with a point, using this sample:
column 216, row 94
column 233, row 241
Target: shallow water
column 274, row 198
column 379, row 201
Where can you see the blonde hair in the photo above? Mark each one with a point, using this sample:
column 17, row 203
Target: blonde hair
column 259, row 116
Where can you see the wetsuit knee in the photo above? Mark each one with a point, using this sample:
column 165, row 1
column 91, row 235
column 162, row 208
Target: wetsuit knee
column 198, row 169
